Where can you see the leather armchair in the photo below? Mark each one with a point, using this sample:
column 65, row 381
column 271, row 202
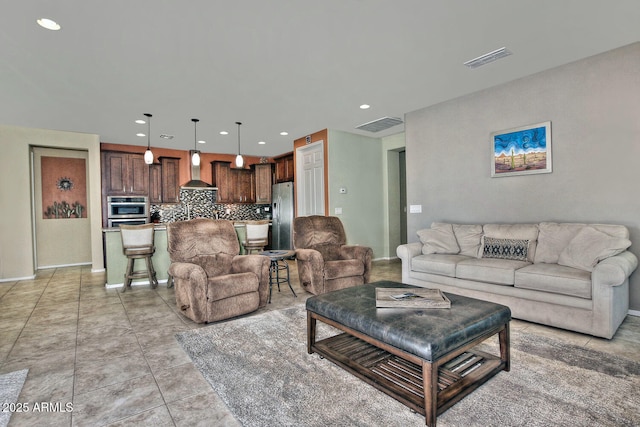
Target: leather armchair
column 325, row 262
column 212, row 282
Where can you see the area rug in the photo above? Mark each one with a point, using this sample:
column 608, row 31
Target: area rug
column 260, row 368
column 10, row 387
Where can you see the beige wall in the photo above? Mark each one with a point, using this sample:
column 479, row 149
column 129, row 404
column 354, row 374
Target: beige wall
column 594, row 109
column 16, row 236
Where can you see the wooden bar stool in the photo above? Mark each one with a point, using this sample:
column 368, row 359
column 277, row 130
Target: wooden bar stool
column 137, row 243
column 257, row 236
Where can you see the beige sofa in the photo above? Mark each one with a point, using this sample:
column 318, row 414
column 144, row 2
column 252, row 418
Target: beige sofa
column 567, row 275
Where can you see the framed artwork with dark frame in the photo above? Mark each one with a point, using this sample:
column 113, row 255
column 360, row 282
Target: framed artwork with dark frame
column 523, row 150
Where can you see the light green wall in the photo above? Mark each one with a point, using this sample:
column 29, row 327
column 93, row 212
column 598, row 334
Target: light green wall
column 391, row 147
column 355, row 163
column 16, row 235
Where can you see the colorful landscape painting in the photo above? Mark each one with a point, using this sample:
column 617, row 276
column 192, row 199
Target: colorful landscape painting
column 521, row 151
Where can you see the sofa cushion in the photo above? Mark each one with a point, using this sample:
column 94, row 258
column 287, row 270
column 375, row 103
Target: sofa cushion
column 468, row 237
column 553, row 238
column 439, row 239
column 498, row 271
column 589, row 247
column 513, row 231
column 444, row 265
column 516, row 249
column 230, row 285
column 343, row 268
column 215, row 264
column 555, row 278
column 329, row 251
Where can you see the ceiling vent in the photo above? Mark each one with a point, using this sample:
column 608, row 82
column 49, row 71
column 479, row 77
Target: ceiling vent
column 488, row 57
column 380, row 124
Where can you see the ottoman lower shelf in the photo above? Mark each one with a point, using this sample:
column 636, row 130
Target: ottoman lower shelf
column 402, row 379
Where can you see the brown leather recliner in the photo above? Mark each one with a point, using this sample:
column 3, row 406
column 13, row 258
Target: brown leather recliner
column 212, row 282
column 325, row 262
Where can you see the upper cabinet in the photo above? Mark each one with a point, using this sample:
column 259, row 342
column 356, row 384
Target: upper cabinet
column 221, row 178
column 242, row 185
column 170, row 179
column 163, row 180
column 263, row 173
column 124, row 174
column 284, row 168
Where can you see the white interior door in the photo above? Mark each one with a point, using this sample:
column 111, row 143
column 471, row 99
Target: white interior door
column 61, row 214
column 310, row 175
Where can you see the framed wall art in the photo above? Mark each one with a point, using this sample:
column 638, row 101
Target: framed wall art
column 524, row 150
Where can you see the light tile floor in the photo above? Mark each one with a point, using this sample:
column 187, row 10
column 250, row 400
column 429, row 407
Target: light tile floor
column 115, row 358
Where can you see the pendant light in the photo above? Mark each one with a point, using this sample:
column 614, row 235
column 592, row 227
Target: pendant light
column 148, row 155
column 195, row 154
column 239, row 159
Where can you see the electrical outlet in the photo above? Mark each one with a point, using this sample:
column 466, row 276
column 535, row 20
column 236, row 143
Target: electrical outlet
column 415, row 208
column 338, row 211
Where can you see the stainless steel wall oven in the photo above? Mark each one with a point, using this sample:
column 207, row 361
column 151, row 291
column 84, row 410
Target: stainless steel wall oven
column 127, row 210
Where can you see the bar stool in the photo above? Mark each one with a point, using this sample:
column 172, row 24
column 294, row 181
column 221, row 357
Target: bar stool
column 257, row 236
column 137, row 243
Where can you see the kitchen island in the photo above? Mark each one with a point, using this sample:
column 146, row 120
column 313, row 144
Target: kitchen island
column 116, row 262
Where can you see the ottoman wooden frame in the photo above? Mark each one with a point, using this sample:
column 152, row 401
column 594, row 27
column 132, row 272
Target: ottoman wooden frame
column 429, row 387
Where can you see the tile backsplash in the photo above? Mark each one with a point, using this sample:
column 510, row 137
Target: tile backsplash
column 200, row 203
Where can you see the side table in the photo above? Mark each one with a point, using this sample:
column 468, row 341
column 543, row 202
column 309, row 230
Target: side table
column 277, row 265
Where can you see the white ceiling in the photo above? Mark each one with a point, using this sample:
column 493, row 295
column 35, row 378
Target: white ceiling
column 276, row 65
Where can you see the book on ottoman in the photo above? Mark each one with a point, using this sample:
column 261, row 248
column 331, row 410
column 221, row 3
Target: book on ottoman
column 411, row 298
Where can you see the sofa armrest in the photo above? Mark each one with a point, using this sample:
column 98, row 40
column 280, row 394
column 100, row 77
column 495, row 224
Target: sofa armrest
column 258, row 264
column 362, row 253
column 615, row 270
column 188, row 272
column 409, row 250
column 310, row 270
column 190, row 282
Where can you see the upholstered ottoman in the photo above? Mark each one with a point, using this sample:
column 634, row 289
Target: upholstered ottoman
column 424, row 358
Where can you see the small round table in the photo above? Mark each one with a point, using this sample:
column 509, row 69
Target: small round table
column 278, row 264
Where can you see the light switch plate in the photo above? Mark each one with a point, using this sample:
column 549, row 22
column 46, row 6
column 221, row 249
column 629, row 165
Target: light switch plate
column 415, row 208
column 338, row 211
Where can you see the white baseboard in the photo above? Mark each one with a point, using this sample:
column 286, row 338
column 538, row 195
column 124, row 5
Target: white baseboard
column 15, row 279
column 634, row 313
column 119, row 285
column 98, row 270
column 385, row 259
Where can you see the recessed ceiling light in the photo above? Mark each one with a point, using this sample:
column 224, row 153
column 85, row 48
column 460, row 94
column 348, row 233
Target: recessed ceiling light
column 202, row 142
column 284, row 133
column 365, row 106
column 224, row 132
column 261, row 142
column 140, row 122
column 141, row 134
column 49, row 24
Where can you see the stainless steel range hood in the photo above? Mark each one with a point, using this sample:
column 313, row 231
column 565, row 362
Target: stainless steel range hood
column 196, row 182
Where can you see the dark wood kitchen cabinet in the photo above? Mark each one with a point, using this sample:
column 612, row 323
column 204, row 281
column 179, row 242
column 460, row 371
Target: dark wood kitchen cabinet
column 170, row 179
column 234, row 185
column 221, row 178
column 242, row 185
column 124, row 174
column 163, row 180
column 155, row 183
column 263, row 174
column 284, row 168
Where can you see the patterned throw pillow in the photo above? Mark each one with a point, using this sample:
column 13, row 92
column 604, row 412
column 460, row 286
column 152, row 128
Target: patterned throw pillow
column 515, row 249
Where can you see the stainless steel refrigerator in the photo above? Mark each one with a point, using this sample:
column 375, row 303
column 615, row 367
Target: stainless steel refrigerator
column 282, row 216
